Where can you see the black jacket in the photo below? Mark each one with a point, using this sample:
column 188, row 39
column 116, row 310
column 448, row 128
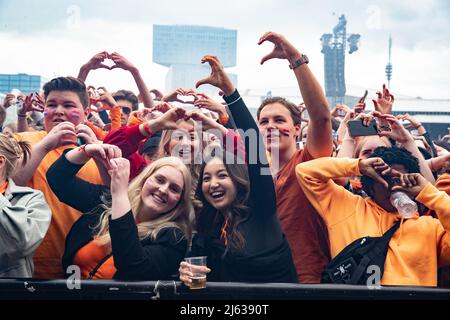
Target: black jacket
column 266, row 256
column 148, row 259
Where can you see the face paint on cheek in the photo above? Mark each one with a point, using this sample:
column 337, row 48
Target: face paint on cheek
column 285, row 132
column 48, row 112
column 74, row 116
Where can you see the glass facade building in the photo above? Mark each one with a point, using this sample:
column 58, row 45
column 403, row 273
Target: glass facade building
column 181, row 47
column 23, row 82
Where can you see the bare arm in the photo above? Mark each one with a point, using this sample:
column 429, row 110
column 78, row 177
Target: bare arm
column 120, row 174
column 96, row 62
column 30, row 104
column 121, row 62
column 438, row 163
column 320, row 140
column 54, row 139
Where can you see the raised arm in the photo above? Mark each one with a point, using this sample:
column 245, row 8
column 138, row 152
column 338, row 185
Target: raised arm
column 402, row 136
column 133, row 260
column 320, row 140
column 262, row 190
column 54, row 139
column 76, row 192
column 33, row 102
column 316, row 179
column 121, row 62
column 96, row 62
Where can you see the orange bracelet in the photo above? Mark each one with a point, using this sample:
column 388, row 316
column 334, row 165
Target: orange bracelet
column 224, row 119
column 83, row 149
column 147, row 129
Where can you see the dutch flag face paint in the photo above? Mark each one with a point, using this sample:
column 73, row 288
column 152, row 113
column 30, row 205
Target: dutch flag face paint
column 284, row 132
column 74, row 116
column 48, row 112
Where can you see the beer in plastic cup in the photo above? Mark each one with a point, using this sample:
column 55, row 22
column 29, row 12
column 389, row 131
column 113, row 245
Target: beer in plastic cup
column 198, row 278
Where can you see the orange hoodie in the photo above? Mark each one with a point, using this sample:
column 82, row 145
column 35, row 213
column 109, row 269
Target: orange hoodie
column 416, row 249
column 443, row 183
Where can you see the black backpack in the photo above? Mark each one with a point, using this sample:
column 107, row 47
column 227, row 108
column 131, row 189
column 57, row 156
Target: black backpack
column 350, row 265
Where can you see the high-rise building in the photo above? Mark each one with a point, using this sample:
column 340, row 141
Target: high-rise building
column 181, row 47
column 23, row 82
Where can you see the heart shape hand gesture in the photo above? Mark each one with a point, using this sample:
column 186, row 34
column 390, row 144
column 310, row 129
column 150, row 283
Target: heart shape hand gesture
column 100, row 60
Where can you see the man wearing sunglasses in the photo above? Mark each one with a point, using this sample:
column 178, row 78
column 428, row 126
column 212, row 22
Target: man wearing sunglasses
column 128, row 101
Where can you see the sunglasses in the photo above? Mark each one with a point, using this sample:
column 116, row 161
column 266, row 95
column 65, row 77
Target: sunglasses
column 126, row 110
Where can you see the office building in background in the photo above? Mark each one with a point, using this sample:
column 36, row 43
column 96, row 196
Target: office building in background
column 181, row 47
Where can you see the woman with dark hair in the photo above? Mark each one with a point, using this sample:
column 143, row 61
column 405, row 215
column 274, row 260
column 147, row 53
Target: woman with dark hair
column 237, row 227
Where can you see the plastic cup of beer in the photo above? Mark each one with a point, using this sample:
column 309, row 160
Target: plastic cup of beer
column 198, row 277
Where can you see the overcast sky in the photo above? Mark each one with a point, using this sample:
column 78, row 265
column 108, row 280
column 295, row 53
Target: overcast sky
column 56, row 37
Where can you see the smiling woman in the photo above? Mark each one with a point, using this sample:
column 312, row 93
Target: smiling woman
column 237, row 226
column 141, row 230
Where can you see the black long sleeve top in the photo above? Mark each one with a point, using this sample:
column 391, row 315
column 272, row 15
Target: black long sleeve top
column 149, row 259
column 266, row 256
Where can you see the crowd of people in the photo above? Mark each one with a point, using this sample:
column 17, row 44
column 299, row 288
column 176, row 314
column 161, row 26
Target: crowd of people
column 126, row 186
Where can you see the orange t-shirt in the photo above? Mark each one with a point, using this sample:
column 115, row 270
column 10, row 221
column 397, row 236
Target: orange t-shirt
column 304, row 228
column 47, row 259
column 99, row 133
column 88, row 257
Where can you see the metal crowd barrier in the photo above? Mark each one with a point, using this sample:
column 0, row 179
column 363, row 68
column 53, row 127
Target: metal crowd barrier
column 32, row 289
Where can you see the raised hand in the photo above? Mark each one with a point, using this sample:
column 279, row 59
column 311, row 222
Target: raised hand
column 103, row 152
column 173, row 96
column 168, row 120
column 283, row 49
column 411, row 183
column 121, row 62
column 120, row 175
column 31, row 103
column 384, row 102
column 374, row 168
column 62, row 134
column 10, row 99
column 207, row 122
column 366, row 118
column 218, row 77
column 413, row 121
column 163, row 107
column 397, row 132
column 158, row 94
column 84, row 132
column 340, row 110
column 208, row 103
column 106, row 98
column 96, row 62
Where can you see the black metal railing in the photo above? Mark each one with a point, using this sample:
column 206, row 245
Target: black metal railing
column 32, row 289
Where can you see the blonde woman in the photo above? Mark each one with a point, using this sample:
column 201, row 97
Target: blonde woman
column 24, row 217
column 131, row 231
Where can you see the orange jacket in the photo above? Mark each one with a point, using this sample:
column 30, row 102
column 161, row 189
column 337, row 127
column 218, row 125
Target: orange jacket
column 417, row 249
